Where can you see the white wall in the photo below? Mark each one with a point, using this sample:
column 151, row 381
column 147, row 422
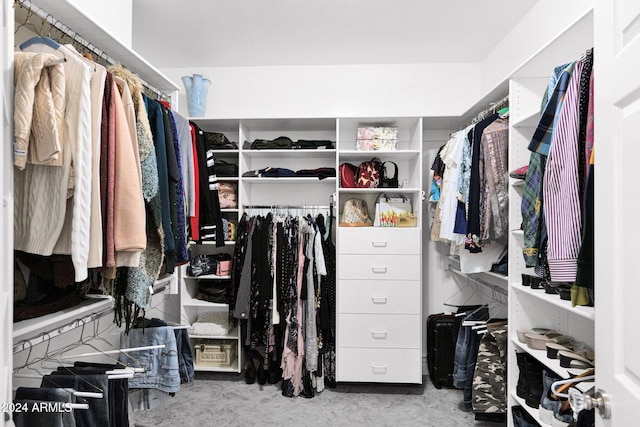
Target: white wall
column 115, row 16
column 336, row 91
column 547, row 20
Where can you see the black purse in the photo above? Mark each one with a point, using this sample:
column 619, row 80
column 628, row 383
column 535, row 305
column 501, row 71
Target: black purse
column 223, row 168
column 213, row 290
column 385, row 181
column 218, row 141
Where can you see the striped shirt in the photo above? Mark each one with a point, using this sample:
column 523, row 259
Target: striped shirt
column 561, row 187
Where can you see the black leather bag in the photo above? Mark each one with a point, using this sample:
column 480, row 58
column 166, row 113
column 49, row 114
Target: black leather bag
column 213, row 290
column 385, row 180
column 218, row 141
column 223, row 168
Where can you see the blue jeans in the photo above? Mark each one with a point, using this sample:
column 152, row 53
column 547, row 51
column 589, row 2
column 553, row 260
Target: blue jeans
column 521, row 418
column 185, row 357
column 464, row 362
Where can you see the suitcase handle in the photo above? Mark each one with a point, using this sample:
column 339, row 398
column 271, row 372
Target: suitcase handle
column 379, row 300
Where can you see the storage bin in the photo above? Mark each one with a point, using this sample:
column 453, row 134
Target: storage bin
column 215, row 353
column 377, row 138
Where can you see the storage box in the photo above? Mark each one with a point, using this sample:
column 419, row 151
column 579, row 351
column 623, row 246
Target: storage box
column 377, row 138
column 215, row 353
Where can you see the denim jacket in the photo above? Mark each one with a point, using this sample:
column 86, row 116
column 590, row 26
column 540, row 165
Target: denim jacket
column 161, row 364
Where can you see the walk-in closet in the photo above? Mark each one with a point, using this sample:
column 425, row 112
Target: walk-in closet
column 322, row 213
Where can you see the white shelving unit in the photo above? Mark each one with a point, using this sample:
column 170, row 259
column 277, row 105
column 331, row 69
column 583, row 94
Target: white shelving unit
column 379, row 282
column 533, row 308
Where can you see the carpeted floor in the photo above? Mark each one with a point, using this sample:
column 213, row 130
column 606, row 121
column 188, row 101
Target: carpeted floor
column 216, row 399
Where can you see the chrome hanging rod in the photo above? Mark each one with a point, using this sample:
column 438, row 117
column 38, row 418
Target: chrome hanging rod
column 47, row 18
column 495, row 106
column 286, row 207
column 45, row 336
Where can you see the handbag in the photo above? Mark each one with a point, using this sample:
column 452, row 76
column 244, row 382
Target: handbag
column 348, row 175
column 213, row 290
column 223, row 168
column 224, row 268
column 385, row 180
column 391, row 211
column 368, row 175
column 355, row 214
column 218, row 141
column 227, row 195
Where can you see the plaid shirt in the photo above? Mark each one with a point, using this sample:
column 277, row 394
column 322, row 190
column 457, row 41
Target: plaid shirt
column 541, row 141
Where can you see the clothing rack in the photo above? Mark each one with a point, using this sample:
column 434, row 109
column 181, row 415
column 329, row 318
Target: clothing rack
column 495, row 106
column 45, row 336
column 491, row 286
column 78, row 41
column 317, row 207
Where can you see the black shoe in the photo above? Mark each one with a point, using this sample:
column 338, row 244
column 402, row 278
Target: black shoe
column 260, row 372
column 535, row 385
column 249, row 370
column 521, row 387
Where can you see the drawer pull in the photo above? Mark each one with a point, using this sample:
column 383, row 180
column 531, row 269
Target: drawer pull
column 379, row 244
column 379, row 270
column 379, row 300
column 379, row 369
column 381, row 335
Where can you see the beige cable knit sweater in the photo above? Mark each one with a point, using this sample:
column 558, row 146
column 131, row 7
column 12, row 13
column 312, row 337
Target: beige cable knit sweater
column 39, row 104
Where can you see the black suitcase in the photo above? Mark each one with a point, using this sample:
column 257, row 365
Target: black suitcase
column 442, row 333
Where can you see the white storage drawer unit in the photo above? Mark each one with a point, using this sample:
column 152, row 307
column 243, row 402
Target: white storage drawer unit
column 372, row 330
column 379, row 297
column 380, row 365
column 376, row 240
column 379, row 267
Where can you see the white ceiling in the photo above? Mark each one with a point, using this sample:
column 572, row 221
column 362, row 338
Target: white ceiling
column 230, row 33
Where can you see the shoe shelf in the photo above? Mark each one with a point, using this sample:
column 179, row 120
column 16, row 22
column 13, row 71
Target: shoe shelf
column 588, row 313
column 534, row 412
column 541, row 356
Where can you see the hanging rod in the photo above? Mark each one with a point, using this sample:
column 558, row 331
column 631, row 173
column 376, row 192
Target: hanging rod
column 494, row 107
column 47, row 18
column 44, row 336
column 491, row 286
column 286, row 207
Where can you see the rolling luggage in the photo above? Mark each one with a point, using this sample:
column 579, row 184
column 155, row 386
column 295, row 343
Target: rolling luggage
column 441, row 345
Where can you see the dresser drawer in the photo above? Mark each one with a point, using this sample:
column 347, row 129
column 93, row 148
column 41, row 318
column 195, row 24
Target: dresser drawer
column 379, row 365
column 379, row 267
column 376, row 240
column 379, row 296
column 379, row 330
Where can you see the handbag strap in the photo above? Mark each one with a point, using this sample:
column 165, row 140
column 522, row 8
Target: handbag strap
column 395, row 175
column 358, row 214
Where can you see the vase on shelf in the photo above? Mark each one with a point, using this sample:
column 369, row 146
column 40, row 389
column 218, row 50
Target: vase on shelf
column 197, row 88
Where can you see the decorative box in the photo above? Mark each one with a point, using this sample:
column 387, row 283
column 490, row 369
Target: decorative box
column 377, row 138
column 215, row 353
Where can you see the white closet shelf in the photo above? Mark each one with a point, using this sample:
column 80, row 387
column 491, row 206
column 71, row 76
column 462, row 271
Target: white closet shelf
column 208, row 276
column 228, row 178
column 529, row 120
column 553, row 299
column 380, row 190
column 194, row 302
column 231, row 335
column 489, row 276
column 362, row 155
column 534, row 412
column 229, row 210
column 291, row 180
column 541, row 356
column 294, row 153
column 66, row 12
column 31, row 327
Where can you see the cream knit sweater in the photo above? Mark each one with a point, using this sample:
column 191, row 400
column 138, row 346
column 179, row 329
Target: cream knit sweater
column 39, row 104
column 74, row 236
